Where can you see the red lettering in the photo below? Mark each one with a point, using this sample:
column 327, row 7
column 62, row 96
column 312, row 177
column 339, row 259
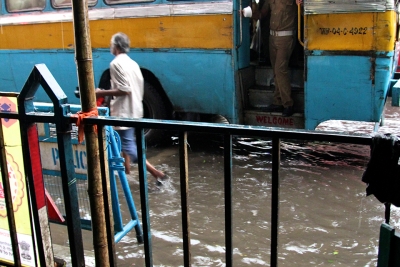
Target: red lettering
column 260, row 119
column 288, row 121
column 275, row 120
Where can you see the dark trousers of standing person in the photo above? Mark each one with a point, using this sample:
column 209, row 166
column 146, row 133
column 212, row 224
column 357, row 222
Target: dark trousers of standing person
column 264, row 25
column 281, row 48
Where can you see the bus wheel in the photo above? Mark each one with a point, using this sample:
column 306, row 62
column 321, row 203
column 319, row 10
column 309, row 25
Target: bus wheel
column 154, row 108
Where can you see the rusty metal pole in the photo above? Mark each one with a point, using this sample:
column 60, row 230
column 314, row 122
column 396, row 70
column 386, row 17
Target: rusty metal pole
column 83, row 54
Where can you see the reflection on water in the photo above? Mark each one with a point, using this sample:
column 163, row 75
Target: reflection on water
column 325, row 217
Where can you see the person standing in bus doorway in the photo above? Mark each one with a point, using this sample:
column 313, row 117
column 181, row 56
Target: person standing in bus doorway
column 282, row 40
column 127, row 89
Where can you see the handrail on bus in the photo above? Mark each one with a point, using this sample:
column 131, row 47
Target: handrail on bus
column 299, row 24
column 240, row 26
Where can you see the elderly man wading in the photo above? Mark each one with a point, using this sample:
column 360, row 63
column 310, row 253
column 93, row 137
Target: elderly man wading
column 127, row 88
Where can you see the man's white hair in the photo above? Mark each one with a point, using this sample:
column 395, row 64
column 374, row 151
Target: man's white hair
column 121, row 42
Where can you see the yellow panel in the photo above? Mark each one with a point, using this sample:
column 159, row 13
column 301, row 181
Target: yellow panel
column 37, row 36
column 353, row 32
column 202, row 32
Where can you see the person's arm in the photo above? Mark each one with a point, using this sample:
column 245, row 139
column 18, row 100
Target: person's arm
column 256, row 14
column 264, row 10
column 111, row 92
column 118, row 86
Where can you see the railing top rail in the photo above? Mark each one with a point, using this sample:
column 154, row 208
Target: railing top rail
column 234, row 129
column 216, row 128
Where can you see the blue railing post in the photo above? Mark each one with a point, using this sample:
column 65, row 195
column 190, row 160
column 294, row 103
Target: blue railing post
column 116, row 164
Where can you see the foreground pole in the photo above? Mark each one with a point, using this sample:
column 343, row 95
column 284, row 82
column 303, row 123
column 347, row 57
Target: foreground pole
column 97, row 194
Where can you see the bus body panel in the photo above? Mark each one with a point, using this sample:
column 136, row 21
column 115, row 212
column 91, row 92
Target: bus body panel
column 192, row 81
column 343, row 87
column 196, row 83
column 190, row 48
column 351, row 32
column 349, row 64
column 199, row 32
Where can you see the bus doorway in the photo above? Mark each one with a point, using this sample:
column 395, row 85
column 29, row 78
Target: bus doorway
column 344, row 71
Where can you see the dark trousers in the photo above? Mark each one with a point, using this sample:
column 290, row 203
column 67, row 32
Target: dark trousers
column 280, row 49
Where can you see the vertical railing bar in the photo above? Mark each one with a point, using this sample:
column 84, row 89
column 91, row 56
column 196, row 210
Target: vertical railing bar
column 275, row 200
column 387, row 212
column 8, row 199
column 144, row 196
column 228, row 198
column 106, row 195
column 184, row 181
column 70, row 192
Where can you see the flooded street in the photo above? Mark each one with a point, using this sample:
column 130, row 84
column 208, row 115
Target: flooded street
column 325, row 218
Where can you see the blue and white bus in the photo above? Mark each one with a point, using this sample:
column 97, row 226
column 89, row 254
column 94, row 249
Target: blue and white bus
column 187, row 50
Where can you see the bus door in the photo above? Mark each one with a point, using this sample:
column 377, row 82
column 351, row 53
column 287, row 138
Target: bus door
column 349, row 54
column 242, row 34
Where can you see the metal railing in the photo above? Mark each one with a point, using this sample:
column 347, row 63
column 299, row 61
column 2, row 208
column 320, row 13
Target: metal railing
column 228, row 131
column 62, row 117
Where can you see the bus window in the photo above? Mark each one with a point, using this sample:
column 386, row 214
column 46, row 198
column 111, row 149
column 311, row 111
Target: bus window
column 68, row 3
column 24, row 5
column 115, row 2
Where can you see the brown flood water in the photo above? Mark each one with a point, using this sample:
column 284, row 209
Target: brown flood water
column 325, row 217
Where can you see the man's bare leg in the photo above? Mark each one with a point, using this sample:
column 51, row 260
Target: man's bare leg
column 150, row 168
column 127, row 163
column 153, row 171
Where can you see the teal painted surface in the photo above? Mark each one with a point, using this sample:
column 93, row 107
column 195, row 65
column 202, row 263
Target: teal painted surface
column 396, row 94
column 201, row 81
column 389, row 246
column 346, row 87
column 385, row 239
column 242, row 35
column 194, row 81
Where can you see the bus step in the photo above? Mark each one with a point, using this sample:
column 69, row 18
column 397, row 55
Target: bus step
column 264, row 76
column 262, row 96
column 273, row 119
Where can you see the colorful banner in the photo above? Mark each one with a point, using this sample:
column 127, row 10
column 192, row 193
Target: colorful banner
column 15, row 166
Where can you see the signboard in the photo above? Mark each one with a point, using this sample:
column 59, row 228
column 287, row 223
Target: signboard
column 15, row 166
column 50, row 157
column 271, row 119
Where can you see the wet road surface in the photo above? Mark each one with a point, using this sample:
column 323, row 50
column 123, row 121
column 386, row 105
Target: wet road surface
column 325, row 217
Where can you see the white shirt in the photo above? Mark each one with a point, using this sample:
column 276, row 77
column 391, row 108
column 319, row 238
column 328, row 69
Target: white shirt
column 126, row 76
